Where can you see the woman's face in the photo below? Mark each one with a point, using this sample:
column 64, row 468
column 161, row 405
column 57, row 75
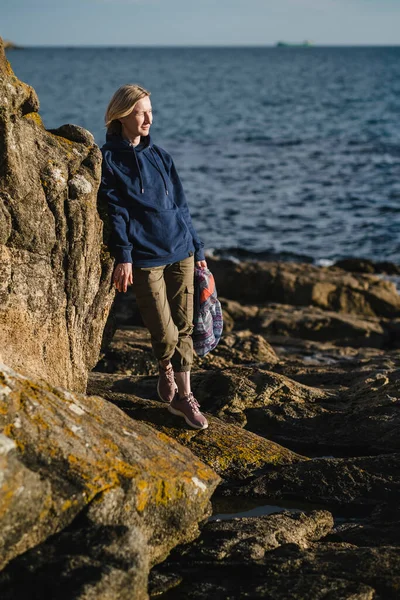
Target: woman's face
column 139, row 121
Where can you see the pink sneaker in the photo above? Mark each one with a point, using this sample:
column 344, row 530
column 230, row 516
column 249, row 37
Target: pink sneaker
column 166, row 386
column 188, row 408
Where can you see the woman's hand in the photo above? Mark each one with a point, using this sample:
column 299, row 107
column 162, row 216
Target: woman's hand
column 123, row 276
column 201, row 264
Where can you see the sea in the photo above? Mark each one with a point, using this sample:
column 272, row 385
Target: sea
column 286, row 153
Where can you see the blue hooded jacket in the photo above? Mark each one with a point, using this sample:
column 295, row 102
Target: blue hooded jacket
column 149, row 216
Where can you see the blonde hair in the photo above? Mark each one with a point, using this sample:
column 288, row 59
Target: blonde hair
column 122, row 104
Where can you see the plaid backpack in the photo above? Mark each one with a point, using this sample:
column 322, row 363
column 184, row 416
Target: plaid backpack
column 207, row 321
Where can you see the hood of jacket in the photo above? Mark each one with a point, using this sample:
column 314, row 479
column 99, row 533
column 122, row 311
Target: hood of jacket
column 115, row 141
column 149, row 163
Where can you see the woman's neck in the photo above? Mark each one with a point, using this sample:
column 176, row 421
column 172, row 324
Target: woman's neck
column 134, row 141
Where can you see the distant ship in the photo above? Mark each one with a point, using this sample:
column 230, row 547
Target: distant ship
column 304, row 44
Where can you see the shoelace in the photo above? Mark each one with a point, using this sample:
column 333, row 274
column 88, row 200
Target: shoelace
column 193, row 402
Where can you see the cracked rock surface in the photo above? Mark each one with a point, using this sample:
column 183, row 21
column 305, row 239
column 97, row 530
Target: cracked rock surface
column 55, row 272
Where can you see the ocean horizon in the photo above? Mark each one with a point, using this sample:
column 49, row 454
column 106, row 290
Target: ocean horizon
column 291, row 152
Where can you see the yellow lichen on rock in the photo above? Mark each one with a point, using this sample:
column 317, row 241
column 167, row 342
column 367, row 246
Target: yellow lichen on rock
column 108, row 457
column 35, row 117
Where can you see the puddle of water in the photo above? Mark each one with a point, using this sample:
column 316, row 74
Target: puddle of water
column 236, row 507
column 239, row 506
column 267, row 509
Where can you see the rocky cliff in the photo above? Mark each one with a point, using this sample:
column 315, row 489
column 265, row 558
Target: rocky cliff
column 54, row 270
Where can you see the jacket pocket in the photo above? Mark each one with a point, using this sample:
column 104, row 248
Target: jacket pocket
column 157, row 233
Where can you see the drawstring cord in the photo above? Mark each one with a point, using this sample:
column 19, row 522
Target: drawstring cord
column 155, row 164
column 140, row 173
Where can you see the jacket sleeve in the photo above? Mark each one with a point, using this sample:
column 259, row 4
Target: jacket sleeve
column 180, row 200
column 118, row 215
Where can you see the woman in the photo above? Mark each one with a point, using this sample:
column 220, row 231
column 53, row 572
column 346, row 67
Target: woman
column 153, row 241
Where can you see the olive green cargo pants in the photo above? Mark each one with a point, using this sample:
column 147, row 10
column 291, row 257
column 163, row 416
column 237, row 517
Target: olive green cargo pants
column 164, row 296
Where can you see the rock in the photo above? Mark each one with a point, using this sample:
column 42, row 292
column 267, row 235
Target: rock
column 55, row 291
column 239, row 348
column 382, row 528
column 233, row 453
column 247, row 539
column 74, row 133
column 138, row 491
column 365, row 481
column 323, row 364
column 361, row 419
column 130, row 352
column 242, row 395
column 23, row 496
column 320, row 325
column 288, row 572
column 239, row 316
column 9, row 45
column 363, row 265
column 84, row 561
column 305, row 285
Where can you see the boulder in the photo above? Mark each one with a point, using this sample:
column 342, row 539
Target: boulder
column 55, row 291
column 289, row 572
column 247, row 539
column 129, row 352
column 235, row 454
column 66, row 457
column 366, row 481
column 364, row 265
column 362, row 419
column 303, row 285
column 313, row 323
column 381, row 528
column 360, row 416
column 242, row 395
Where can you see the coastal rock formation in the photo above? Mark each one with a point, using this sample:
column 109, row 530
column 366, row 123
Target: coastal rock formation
column 323, row 382
column 363, row 417
column 243, row 394
column 55, row 291
column 304, row 285
column 235, row 454
column 249, row 539
column 66, row 456
column 312, row 323
column 362, row 481
column 381, row 528
column 291, row 570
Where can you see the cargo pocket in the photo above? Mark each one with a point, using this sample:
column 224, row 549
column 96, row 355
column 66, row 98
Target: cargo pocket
column 151, row 312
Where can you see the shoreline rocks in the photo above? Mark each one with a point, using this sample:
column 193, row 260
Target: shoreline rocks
column 323, row 383
column 68, row 454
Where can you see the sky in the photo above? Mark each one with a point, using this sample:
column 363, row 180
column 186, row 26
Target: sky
column 199, row 22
